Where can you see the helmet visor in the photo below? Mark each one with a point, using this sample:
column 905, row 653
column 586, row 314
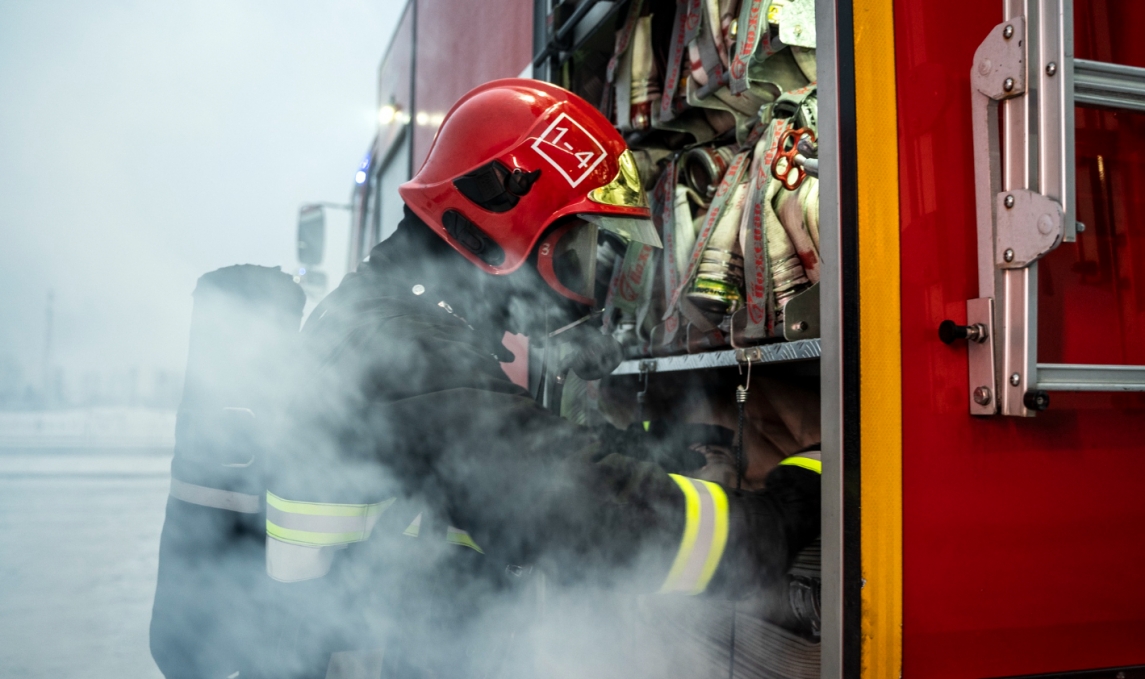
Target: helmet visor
column 567, row 260
column 628, row 228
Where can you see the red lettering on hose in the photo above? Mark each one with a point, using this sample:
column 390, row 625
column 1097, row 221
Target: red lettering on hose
column 694, row 15
column 755, row 300
column 630, row 284
column 739, row 64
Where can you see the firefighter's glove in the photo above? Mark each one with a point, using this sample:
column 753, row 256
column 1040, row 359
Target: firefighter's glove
column 678, row 448
column 673, row 447
column 592, row 355
column 632, row 442
column 768, row 528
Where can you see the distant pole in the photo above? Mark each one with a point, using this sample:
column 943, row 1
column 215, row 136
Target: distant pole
column 48, row 322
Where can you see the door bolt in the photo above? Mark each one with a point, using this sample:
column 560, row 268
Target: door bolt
column 982, row 396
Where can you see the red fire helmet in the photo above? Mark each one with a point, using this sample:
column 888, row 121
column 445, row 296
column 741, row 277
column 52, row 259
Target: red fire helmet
column 512, row 157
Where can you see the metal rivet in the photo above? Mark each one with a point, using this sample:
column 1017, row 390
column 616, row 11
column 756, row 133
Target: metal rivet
column 982, row 396
column 418, row 289
column 1008, row 84
column 1015, row 380
column 1008, row 202
column 1081, row 227
column 1008, row 32
column 1051, row 68
column 1008, row 255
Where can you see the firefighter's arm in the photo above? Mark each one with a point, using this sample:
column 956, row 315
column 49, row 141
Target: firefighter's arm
column 711, row 539
column 532, row 487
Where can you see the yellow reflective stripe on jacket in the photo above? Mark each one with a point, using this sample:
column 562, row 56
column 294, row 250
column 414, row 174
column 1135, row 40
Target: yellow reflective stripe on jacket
column 414, row 527
column 456, row 536
column 805, row 462
column 321, row 524
column 453, row 535
column 705, row 536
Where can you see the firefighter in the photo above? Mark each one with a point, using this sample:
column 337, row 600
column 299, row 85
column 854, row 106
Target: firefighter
column 417, row 480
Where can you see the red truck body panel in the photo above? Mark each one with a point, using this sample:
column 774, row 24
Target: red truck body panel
column 395, row 83
column 461, row 45
column 1022, row 544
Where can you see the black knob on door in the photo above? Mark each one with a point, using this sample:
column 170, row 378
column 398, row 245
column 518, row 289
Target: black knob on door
column 1036, row 399
column 949, row 331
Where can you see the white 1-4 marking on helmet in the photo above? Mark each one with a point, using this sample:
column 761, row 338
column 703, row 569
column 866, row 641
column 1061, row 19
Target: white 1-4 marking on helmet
column 570, row 149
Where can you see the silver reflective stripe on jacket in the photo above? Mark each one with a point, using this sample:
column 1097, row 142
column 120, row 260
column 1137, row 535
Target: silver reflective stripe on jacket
column 213, row 497
column 705, row 536
column 318, row 524
column 302, row 537
column 288, row 562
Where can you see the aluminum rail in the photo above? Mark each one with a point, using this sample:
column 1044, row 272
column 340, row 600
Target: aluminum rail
column 1082, row 377
column 554, row 44
column 1096, row 83
column 779, row 352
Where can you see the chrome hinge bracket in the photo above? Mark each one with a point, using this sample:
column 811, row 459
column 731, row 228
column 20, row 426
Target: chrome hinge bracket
column 1027, row 226
column 983, row 388
column 1000, row 61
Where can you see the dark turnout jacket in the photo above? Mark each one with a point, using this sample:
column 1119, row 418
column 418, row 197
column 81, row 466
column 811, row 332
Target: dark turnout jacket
column 462, row 482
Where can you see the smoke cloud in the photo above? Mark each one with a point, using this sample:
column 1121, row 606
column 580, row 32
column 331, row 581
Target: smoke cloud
column 147, row 144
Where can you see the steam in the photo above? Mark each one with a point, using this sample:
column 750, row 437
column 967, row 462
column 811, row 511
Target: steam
column 146, row 148
column 366, row 405
column 143, row 146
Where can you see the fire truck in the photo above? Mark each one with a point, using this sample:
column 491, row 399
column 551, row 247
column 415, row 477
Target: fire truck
column 918, row 217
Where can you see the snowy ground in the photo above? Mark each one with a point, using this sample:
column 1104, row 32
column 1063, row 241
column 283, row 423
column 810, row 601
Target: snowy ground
column 79, row 541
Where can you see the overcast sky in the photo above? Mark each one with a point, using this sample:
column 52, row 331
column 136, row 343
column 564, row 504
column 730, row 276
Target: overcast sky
column 145, row 143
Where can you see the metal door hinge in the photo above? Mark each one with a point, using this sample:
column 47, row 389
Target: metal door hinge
column 1027, row 227
column 983, row 389
column 1000, row 61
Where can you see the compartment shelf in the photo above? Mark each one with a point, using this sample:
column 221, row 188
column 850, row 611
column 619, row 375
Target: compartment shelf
column 779, row 352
